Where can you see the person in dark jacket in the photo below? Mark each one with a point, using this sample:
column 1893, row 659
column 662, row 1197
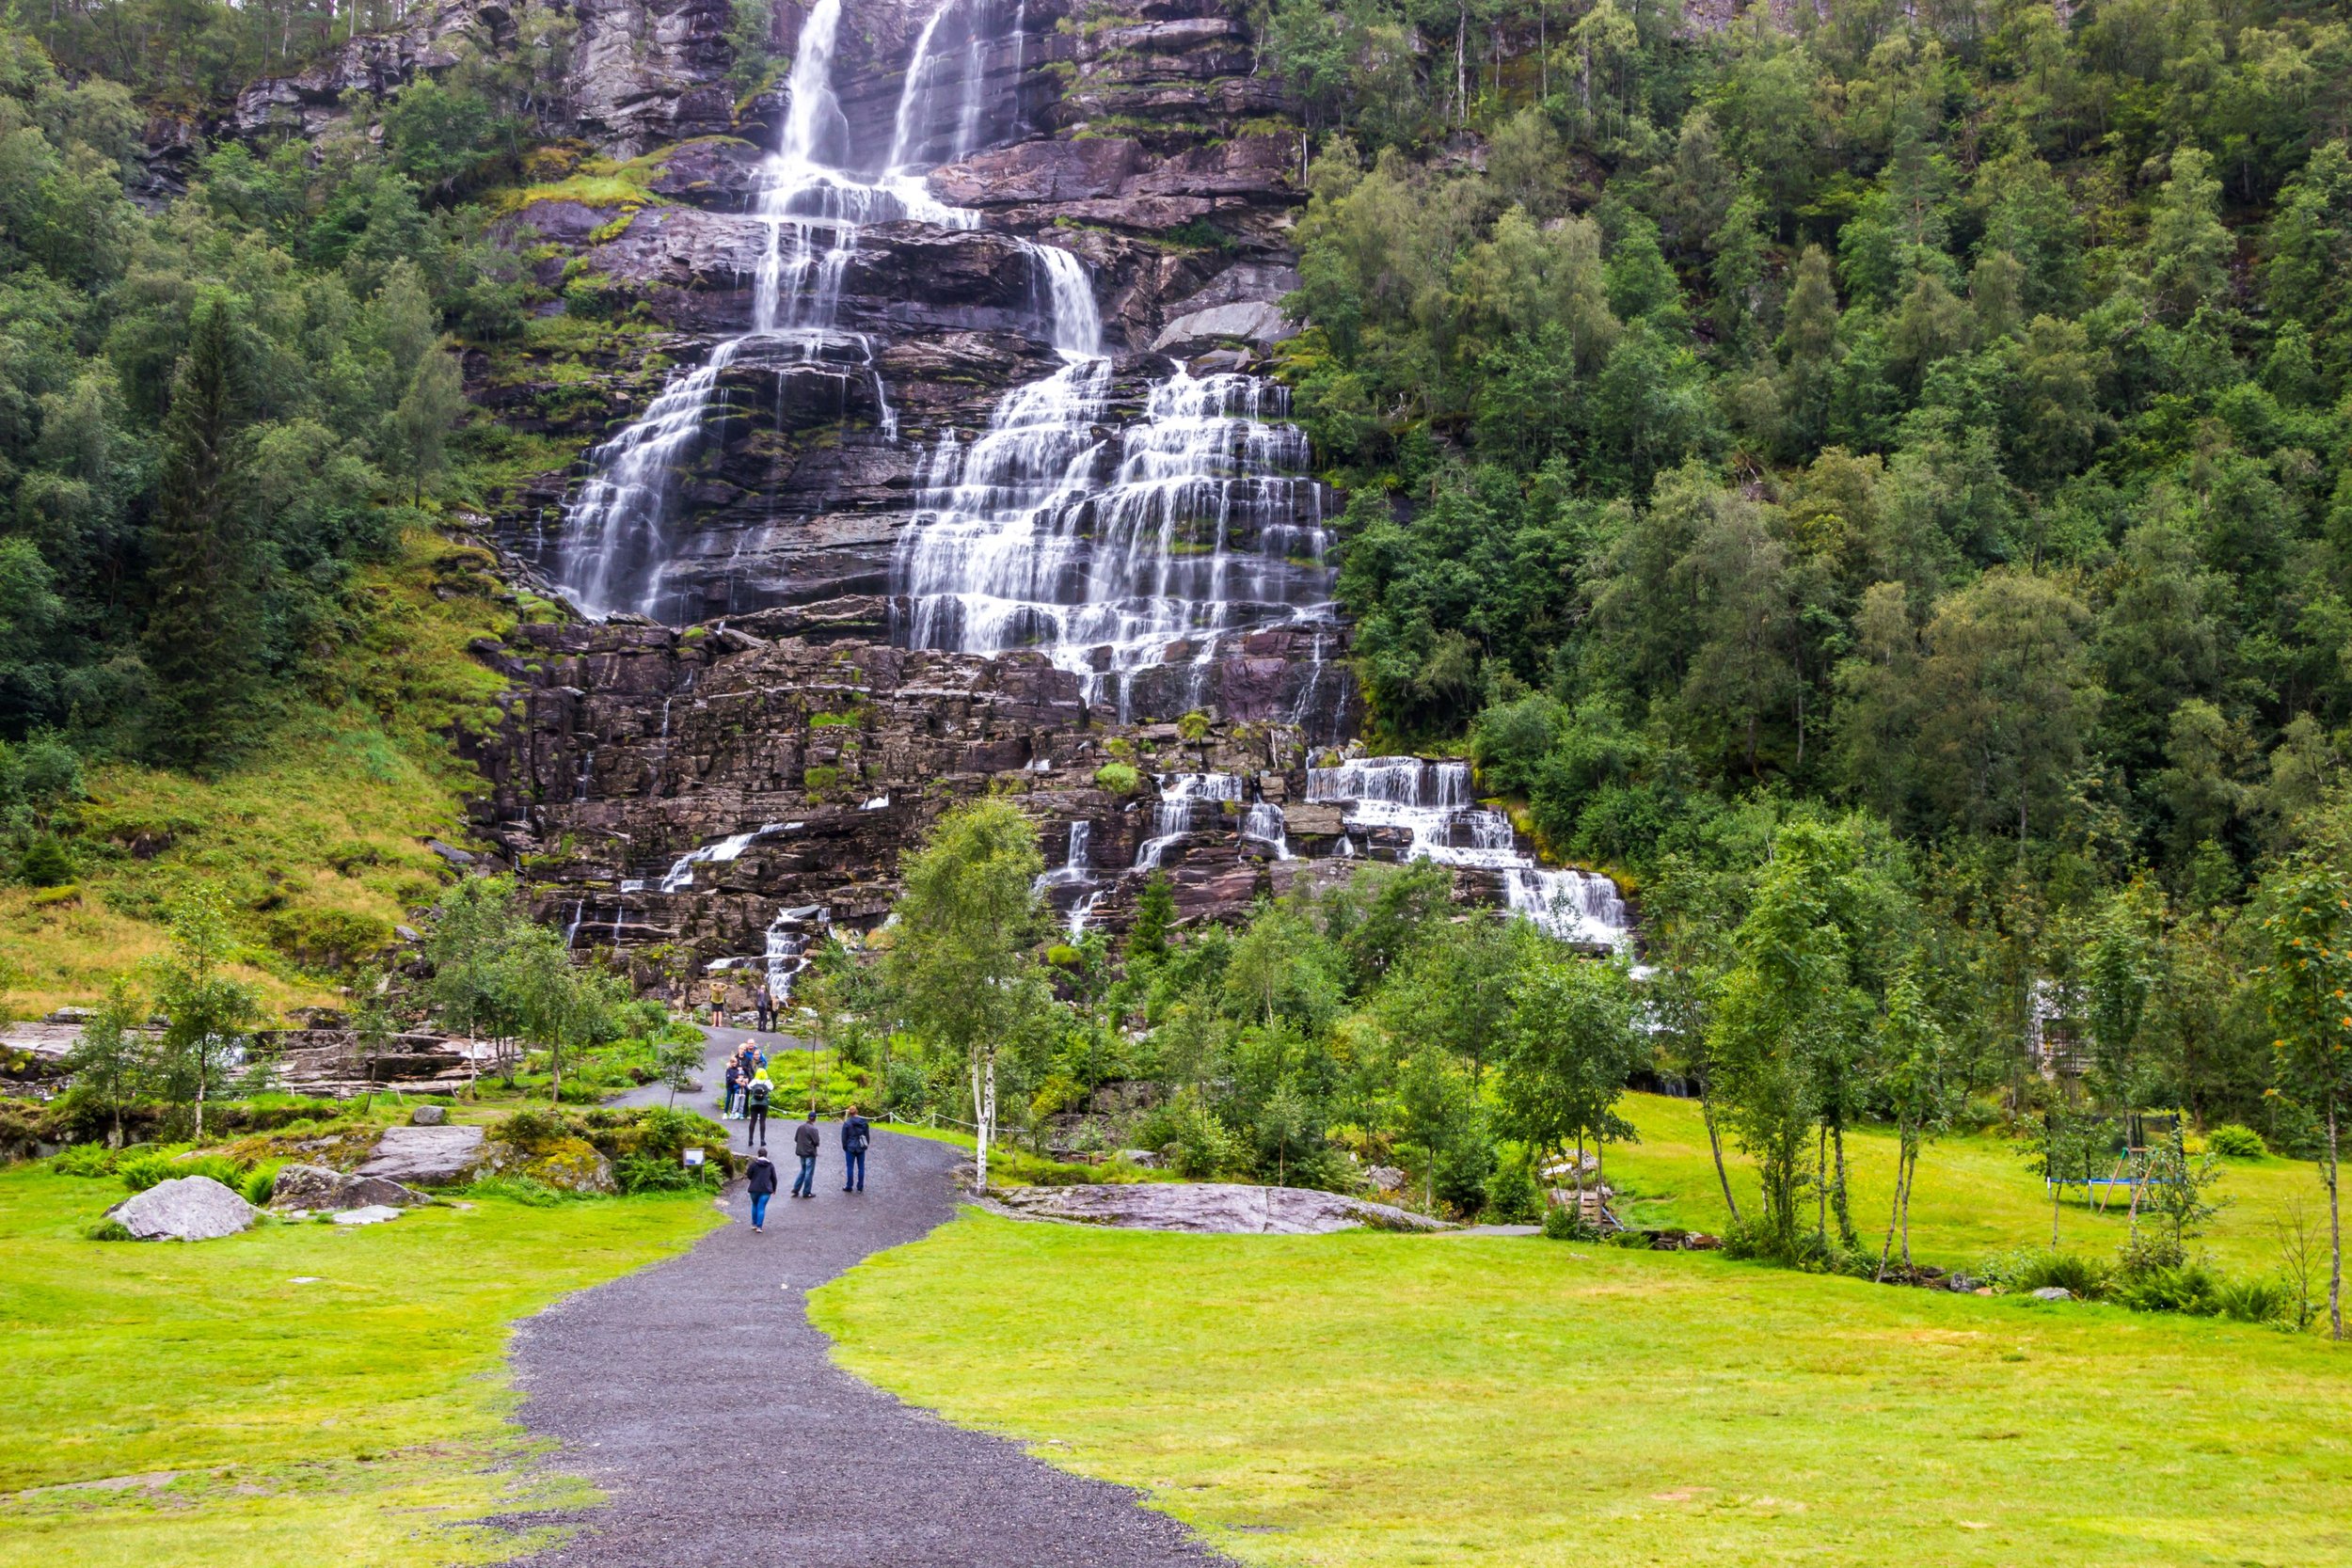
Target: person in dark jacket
column 735, row 1086
column 856, row 1135
column 762, row 1179
column 806, row 1141
column 764, row 1004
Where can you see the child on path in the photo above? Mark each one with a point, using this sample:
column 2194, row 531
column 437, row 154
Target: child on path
column 856, row 1135
column 735, row 1087
column 762, row 1175
column 806, row 1141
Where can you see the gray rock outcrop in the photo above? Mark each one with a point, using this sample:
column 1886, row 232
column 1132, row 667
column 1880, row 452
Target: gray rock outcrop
column 317, row 1188
column 1211, row 1207
column 425, row 1156
column 373, row 1213
column 184, row 1208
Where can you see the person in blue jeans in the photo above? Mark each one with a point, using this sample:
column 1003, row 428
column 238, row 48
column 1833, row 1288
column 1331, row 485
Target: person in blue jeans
column 761, row 1177
column 806, row 1141
column 856, row 1135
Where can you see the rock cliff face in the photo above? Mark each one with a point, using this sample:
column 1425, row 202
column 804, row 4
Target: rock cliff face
column 799, row 768
column 1024, row 371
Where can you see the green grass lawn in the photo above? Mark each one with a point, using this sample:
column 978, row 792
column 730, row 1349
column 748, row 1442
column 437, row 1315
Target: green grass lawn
column 190, row 1403
column 1367, row 1400
column 1976, row 1195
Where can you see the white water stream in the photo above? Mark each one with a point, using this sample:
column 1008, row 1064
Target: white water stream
column 1432, row 802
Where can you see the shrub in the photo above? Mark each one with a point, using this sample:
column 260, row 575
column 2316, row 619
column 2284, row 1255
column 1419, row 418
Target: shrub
column 2263, row 1300
column 2190, row 1288
column 655, row 1173
column 86, row 1159
column 2236, row 1142
column 105, row 1230
column 142, row 1171
column 520, row 1189
column 532, row 1130
column 260, row 1184
column 1197, row 1144
column 1567, row 1224
column 2043, row 1269
column 1120, row 778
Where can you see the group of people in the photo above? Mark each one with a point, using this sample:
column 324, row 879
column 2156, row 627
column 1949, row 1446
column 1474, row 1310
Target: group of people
column 749, row 1089
column 716, row 1003
column 856, row 1134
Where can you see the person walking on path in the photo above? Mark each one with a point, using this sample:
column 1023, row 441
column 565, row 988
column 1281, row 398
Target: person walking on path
column 735, row 1086
column 856, row 1135
column 755, row 1124
column 762, row 1181
column 806, row 1141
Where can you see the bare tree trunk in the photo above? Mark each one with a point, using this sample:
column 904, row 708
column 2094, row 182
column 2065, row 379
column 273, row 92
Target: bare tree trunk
column 1894, row 1218
column 1715, row 1144
column 2335, row 1237
column 1909, row 1176
column 984, row 1108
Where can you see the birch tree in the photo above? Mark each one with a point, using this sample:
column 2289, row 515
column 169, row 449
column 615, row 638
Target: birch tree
column 963, row 972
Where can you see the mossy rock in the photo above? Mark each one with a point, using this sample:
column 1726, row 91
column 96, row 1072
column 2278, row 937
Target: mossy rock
column 569, row 1164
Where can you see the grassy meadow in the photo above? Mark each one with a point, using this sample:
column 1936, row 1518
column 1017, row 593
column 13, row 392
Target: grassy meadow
column 1374, row 1401
column 315, row 830
column 300, row 1395
column 1976, row 1195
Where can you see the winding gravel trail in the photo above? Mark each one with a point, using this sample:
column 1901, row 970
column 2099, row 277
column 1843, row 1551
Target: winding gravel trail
column 699, row 1396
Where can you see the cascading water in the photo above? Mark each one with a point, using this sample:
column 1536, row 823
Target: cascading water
column 1074, row 871
column 813, row 203
column 1262, row 823
column 680, row 876
column 1432, row 802
column 1171, row 819
column 1117, row 554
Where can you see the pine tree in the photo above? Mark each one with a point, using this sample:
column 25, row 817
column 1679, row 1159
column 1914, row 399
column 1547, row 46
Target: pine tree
column 201, row 630
column 1156, row 911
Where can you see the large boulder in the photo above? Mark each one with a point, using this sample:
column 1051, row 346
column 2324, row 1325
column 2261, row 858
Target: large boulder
column 425, row 1156
column 1211, row 1208
column 570, row 1164
column 186, row 1208
column 316, row 1188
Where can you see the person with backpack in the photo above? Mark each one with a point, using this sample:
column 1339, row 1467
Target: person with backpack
column 756, row 1113
column 856, row 1135
column 761, row 1175
column 735, row 1088
column 806, row 1141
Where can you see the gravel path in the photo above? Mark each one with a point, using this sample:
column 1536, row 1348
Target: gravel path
column 699, row 1396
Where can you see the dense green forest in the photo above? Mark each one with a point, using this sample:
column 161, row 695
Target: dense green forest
column 1932, row 414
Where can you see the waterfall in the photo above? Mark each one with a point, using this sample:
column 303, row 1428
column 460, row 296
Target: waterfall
column 1262, row 823
column 813, row 204
column 1074, row 871
column 1172, row 818
column 787, row 946
column 1113, row 554
column 1433, row 804
column 681, row 873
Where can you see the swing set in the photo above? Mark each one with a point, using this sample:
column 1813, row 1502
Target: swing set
column 2136, row 1162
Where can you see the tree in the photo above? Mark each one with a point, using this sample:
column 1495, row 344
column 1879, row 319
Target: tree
column 2306, row 986
column 210, row 1014
column 557, row 1003
column 2188, row 249
column 1156, row 914
column 201, row 631
column 2004, row 696
column 477, row 926
column 961, row 971
column 110, row 1060
column 1568, row 1047
column 2065, row 1146
column 1914, row 1067
column 432, row 405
